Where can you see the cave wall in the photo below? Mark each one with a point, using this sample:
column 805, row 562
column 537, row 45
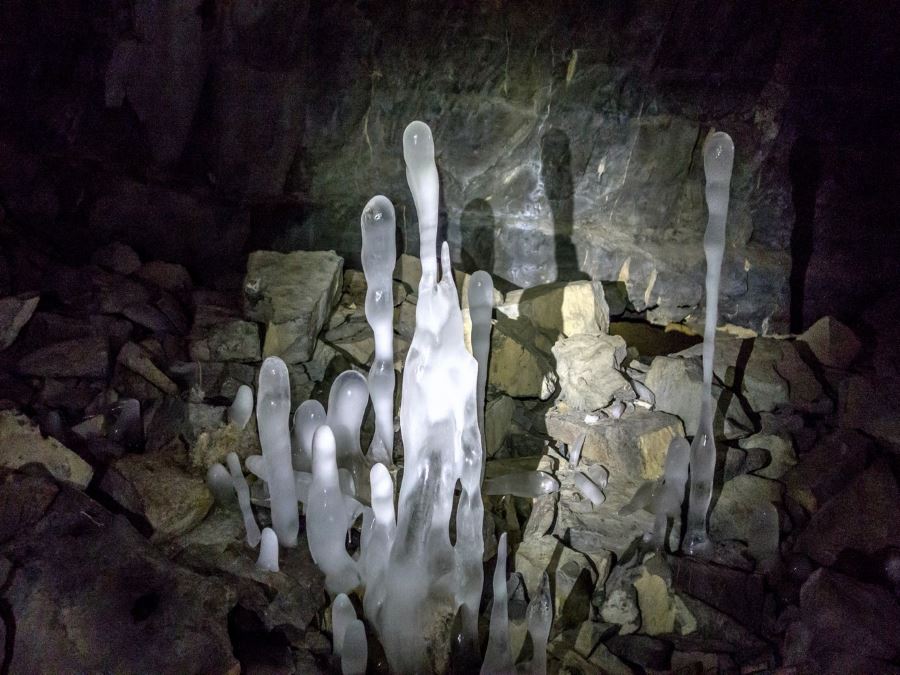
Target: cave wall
column 568, row 137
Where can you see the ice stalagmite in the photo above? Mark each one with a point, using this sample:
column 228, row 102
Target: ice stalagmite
column 342, row 615
column 219, row 482
column 347, row 403
column 498, row 656
column 273, row 414
column 356, row 650
column 718, row 159
column 243, row 495
column 308, row 417
column 481, row 305
column 268, row 551
column 328, row 517
column 526, row 484
column 669, row 491
column 379, row 256
column 422, row 176
column 378, row 538
column 540, row 618
column 589, row 489
column 240, row 410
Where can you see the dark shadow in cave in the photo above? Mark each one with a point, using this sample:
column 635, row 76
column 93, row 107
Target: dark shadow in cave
column 805, row 172
column 476, row 227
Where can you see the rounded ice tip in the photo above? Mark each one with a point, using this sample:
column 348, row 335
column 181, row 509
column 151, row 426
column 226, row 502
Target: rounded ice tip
column 417, row 141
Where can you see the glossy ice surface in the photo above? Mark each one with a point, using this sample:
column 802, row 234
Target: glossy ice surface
column 527, row 484
column 240, row 410
column 268, row 551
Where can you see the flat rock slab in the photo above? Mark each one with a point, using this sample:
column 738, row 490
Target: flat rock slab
column 632, row 447
column 217, row 335
column 21, row 443
column 561, row 308
column 14, row 313
column 88, row 593
column 293, row 294
column 87, row 357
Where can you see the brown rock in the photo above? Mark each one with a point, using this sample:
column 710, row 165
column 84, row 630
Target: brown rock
column 21, row 443
column 87, row 357
column 14, row 314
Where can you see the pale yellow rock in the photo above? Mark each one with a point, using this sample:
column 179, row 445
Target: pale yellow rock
column 21, row 443
column 563, row 308
column 656, row 605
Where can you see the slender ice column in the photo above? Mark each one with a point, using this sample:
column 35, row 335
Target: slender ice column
column 379, row 256
column 356, row 649
column 481, row 305
column 498, row 656
column 669, row 492
column 527, row 484
column 347, row 403
column 243, row 495
column 540, row 618
column 240, row 410
column 378, row 538
column 327, row 517
column 308, row 417
column 575, row 451
column 219, row 482
column 718, row 159
column 589, row 489
column 342, row 615
column 273, row 414
column 268, row 551
column 422, row 176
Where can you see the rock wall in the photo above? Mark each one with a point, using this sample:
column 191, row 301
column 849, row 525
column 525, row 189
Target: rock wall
column 568, row 137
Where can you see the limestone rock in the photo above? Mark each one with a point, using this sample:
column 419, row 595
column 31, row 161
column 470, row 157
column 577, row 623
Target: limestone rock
column 168, row 276
column 14, row 314
column 211, row 380
column 139, row 361
column 832, row 343
column 517, row 366
column 632, row 447
column 117, row 257
column 863, row 516
column 780, row 449
column 561, row 309
column 21, row 443
column 739, row 594
column 745, row 510
column 86, row 357
column 219, row 336
column 863, row 405
column 498, row 415
column 823, row 471
column 588, row 368
column 156, row 487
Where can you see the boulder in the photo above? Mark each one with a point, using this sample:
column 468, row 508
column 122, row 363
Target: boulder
column 865, row 403
column 211, row 380
column 831, row 342
column 560, row 309
column 139, row 361
column 14, row 314
column 85, row 357
column 745, row 510
column 828, row 466
column 517, row 367
column 117, row 257
column 217, row 335
column 589, row 371
column 780, row 449
column 21, row 443
column 292, row 293
column 498, row 415
column 171, row 277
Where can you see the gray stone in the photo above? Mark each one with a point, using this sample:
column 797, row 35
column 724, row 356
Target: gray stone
column 739, row 594
column 589, row 371
column 863, row 405
column 498, row 416
column 831, row 342
column 116, row 292
column 21, row 443
column 292, row 293
column 780, row 451
column 211, row 380
column 14, row 314
column 745, row 510
column 87, row 357
column 149, row 317
column 827, row 467
column 117, row 257
column 518, row 366
column 138, row 360
column 218, row 336
column 560, row 309
column 863, row 516
column 168, row 276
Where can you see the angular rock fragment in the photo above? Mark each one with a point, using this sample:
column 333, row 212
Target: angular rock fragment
column 117, row 257
column 21, row 443
column 831, row 342
column 561, row 309
column 86, row 357
column 14, row 314
column 219, row 336
column 138, row 361
column 588, row 368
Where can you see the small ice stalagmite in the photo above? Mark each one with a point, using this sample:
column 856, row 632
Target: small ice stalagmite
column 379, row 256
column 422, row 176
column 498, row 655
column 268, row 551
column 342, row 615
column 575, row 451
column 273, row 414
column 378, row 538
column 308, row 417
column 718, row 160
column 327, row 517
column 356, row 650
column 539, row 616
column 527, row 484
column 481, row 306
column 219, row 482
column 242, row 407
column 243, row 495
column 347, row 403
column 669, row 491
column 589, row 489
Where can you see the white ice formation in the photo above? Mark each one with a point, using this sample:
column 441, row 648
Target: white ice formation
column 355, row 650
column 589, row 489
column 268, row 551
column 342, row 615
column 273, row 414
column 377, row 538
column 527, row 484
column 379, row 256
column 242, row 407
column 243, row 495
column 308, row 417
column 219, row 482
column 481, row 306
column 347, row 403
column 575, row 451
column 498, row 658
column 539, row 616
column 718, row 159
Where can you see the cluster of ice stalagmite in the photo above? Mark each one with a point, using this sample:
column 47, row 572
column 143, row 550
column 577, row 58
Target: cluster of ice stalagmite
column 379, row 256
column 498, row 658
column 718, row 159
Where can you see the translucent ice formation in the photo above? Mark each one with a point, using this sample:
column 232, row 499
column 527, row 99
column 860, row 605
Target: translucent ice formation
column 328, row 517
column 527, row 484
column 498, row 656
column 243, row 495
column 422, row 176
column 268, row 551
column 273, row 414
column 589, row 489
column 347, row 403
column 718, row 159
column 378, row 538
column 379, row 256
column 575, row 451
column 308, row 417
column 342, row 615
column 219, row 482
column 355, row 651
column 481, row 305
column 540, row 618
column 240, row 410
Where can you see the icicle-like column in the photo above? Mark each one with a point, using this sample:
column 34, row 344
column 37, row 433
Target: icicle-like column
column 540, row 618
column 308, row 417
column 342, row 615
column 356, row 649
column 378, row 538
column 525, row 484
column 498, row 656
column 242, row 407
column 379, row 256
column 219, row 482
column 273, row 414
column 669, row 492
column 268, row 551
column 243, row 495
column 718, row 159
column 347, row 403
column 422, row 176
column 481, row 305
